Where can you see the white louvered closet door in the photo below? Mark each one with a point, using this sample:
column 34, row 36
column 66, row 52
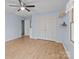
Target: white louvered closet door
column 51, row 28
column 47, row 27
column 42, row 27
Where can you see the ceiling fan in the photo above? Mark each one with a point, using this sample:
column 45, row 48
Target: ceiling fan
column 22, row 6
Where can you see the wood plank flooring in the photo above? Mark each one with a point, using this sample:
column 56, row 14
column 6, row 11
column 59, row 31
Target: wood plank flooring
column 26, row 48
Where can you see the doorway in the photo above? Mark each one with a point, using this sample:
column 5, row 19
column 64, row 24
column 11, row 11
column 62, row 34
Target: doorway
column 22, row 26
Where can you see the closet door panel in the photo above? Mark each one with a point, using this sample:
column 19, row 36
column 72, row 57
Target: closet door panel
column 51, row 28
column 42, row 27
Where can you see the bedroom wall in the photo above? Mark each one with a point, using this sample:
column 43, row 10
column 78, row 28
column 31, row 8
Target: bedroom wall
column 41, row 30
column 44, row 26
column 12, row 26
column 48, row 26
column 63, row 36
column 69, row 45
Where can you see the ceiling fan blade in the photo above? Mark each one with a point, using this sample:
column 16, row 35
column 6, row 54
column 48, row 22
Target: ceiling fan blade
column 20, row 2
column 14, row 5
column 27, row 9
column 30, row 6
column 24, row 4
column 18, row 10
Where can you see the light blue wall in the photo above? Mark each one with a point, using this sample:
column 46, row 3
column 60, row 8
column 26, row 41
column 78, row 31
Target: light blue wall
column 12, row 26
column 67, row 43
column 63, row 36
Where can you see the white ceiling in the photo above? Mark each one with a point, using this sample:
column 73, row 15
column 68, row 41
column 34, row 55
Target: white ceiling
column 40, row 6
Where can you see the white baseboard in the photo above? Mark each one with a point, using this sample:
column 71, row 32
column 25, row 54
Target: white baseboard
column 13, row 38
column 50, row 39
column 67, row 52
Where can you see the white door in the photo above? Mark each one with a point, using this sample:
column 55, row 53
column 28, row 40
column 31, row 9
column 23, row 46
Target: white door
column 44, row 27
column 51, row 28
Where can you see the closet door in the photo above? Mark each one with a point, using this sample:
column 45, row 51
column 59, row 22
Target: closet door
column 27, row 27
column 41, row 27
column 44, row 27
column 51, row 28
column 47, row 27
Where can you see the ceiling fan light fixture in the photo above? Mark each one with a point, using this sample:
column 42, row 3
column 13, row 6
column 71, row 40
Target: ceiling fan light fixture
column 22, row 8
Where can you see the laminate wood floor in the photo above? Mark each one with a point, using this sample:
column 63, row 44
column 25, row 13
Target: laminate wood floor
column 26, row 48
